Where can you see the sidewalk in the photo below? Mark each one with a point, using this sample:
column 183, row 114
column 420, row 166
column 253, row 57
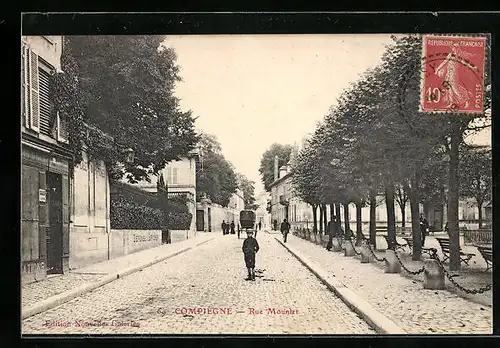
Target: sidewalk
column 399, row 298
column 33, row 293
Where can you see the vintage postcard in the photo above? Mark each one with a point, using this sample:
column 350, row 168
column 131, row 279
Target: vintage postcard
column 256, row 184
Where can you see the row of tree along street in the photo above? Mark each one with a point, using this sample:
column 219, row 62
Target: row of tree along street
column 375, row 141
column 122, row 88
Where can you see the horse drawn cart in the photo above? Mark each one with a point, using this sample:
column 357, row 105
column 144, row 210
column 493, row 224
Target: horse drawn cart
column 247, row 221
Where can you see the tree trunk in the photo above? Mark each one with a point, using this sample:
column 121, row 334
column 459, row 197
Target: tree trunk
column 359, row 226
column 391, row 215
column 325, row 219
column 337, row 212
column 480, row 207
column 315, row 218
column 332, row 211
column 403, row 217
column 346, row 220
column 453, row 187
column 415, row 222
column 321, row 219
column 373, row 216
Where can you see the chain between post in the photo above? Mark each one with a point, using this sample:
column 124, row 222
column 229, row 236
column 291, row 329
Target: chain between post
column 355, row 251
column 375, row 256
column 406, row 269
column 460, row 287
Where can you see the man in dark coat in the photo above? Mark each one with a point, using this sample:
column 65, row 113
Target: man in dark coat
column 332, row 232
column 250, row 248
column 424, row 227
column 285, row 228
column 223, row 226
column 232, row 227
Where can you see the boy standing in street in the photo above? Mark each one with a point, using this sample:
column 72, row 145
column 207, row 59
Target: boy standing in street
column 250, row 248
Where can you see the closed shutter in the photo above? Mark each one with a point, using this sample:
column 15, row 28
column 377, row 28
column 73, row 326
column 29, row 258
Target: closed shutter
column 62, row 128
column 34, row 92
column 24, row 86
column 44, row 102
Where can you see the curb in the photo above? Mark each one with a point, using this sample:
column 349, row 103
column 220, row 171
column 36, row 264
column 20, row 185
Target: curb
column 381, row 323
column 66, row 296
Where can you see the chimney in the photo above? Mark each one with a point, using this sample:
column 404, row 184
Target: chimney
column 276, row 167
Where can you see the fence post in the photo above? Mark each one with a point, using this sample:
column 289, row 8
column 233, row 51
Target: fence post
column 434, row 275
column 366, row 256
column 349, row 250
column 392, row 264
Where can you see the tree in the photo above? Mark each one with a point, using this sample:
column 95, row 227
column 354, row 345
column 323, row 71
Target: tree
column 476, row 176
column 127, row 84
column 217, row 180
column 266, row 168
column 306, row 177
column 247, row 186
column 401, row 198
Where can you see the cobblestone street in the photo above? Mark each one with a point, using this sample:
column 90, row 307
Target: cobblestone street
column 416, row 310
column 209, row 276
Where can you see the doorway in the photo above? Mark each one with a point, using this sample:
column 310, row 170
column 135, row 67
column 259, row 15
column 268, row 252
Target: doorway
column 200, row 217
column 54, row 231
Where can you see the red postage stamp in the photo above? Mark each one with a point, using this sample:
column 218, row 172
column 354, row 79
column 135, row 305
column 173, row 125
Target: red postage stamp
column 453, row 74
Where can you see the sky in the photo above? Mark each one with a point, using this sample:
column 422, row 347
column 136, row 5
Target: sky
column 251, row 91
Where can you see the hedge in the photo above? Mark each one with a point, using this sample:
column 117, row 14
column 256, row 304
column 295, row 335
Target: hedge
column 126, row 214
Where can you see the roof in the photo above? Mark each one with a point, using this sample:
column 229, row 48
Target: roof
column 279, row 180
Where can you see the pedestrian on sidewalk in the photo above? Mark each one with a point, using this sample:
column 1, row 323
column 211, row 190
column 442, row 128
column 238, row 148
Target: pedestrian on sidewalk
column 232, row 227
column 424, row 228
column 285, row 228
column 223, row 226
column 332, row 232
column 250, row 248
column 260, row 225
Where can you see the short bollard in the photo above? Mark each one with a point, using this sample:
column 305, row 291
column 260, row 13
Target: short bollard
column 336, row 245
column 434, row 275
column 392, row 264
column 366, row 255
column 349, row 250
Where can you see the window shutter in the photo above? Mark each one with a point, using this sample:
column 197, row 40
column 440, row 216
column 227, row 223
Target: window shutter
column 24, row 86
column 34, row 119
column 62, row 128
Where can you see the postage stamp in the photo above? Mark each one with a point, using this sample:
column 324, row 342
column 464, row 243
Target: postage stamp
column 453, row 74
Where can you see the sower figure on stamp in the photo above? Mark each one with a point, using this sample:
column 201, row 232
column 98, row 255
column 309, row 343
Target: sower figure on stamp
column 250, row 248
column 285, row 228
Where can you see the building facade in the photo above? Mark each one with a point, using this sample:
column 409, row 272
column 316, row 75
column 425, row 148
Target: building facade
column 180, row 177
column 45, row 164
column 90, row 213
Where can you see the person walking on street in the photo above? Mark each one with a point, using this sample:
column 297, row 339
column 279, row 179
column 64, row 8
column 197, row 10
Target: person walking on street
column 424, row 228
column 223, row 226
column 285, row 228
column 332, row 232
column 260, row 225
column 232, row 227
column 250, row 248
